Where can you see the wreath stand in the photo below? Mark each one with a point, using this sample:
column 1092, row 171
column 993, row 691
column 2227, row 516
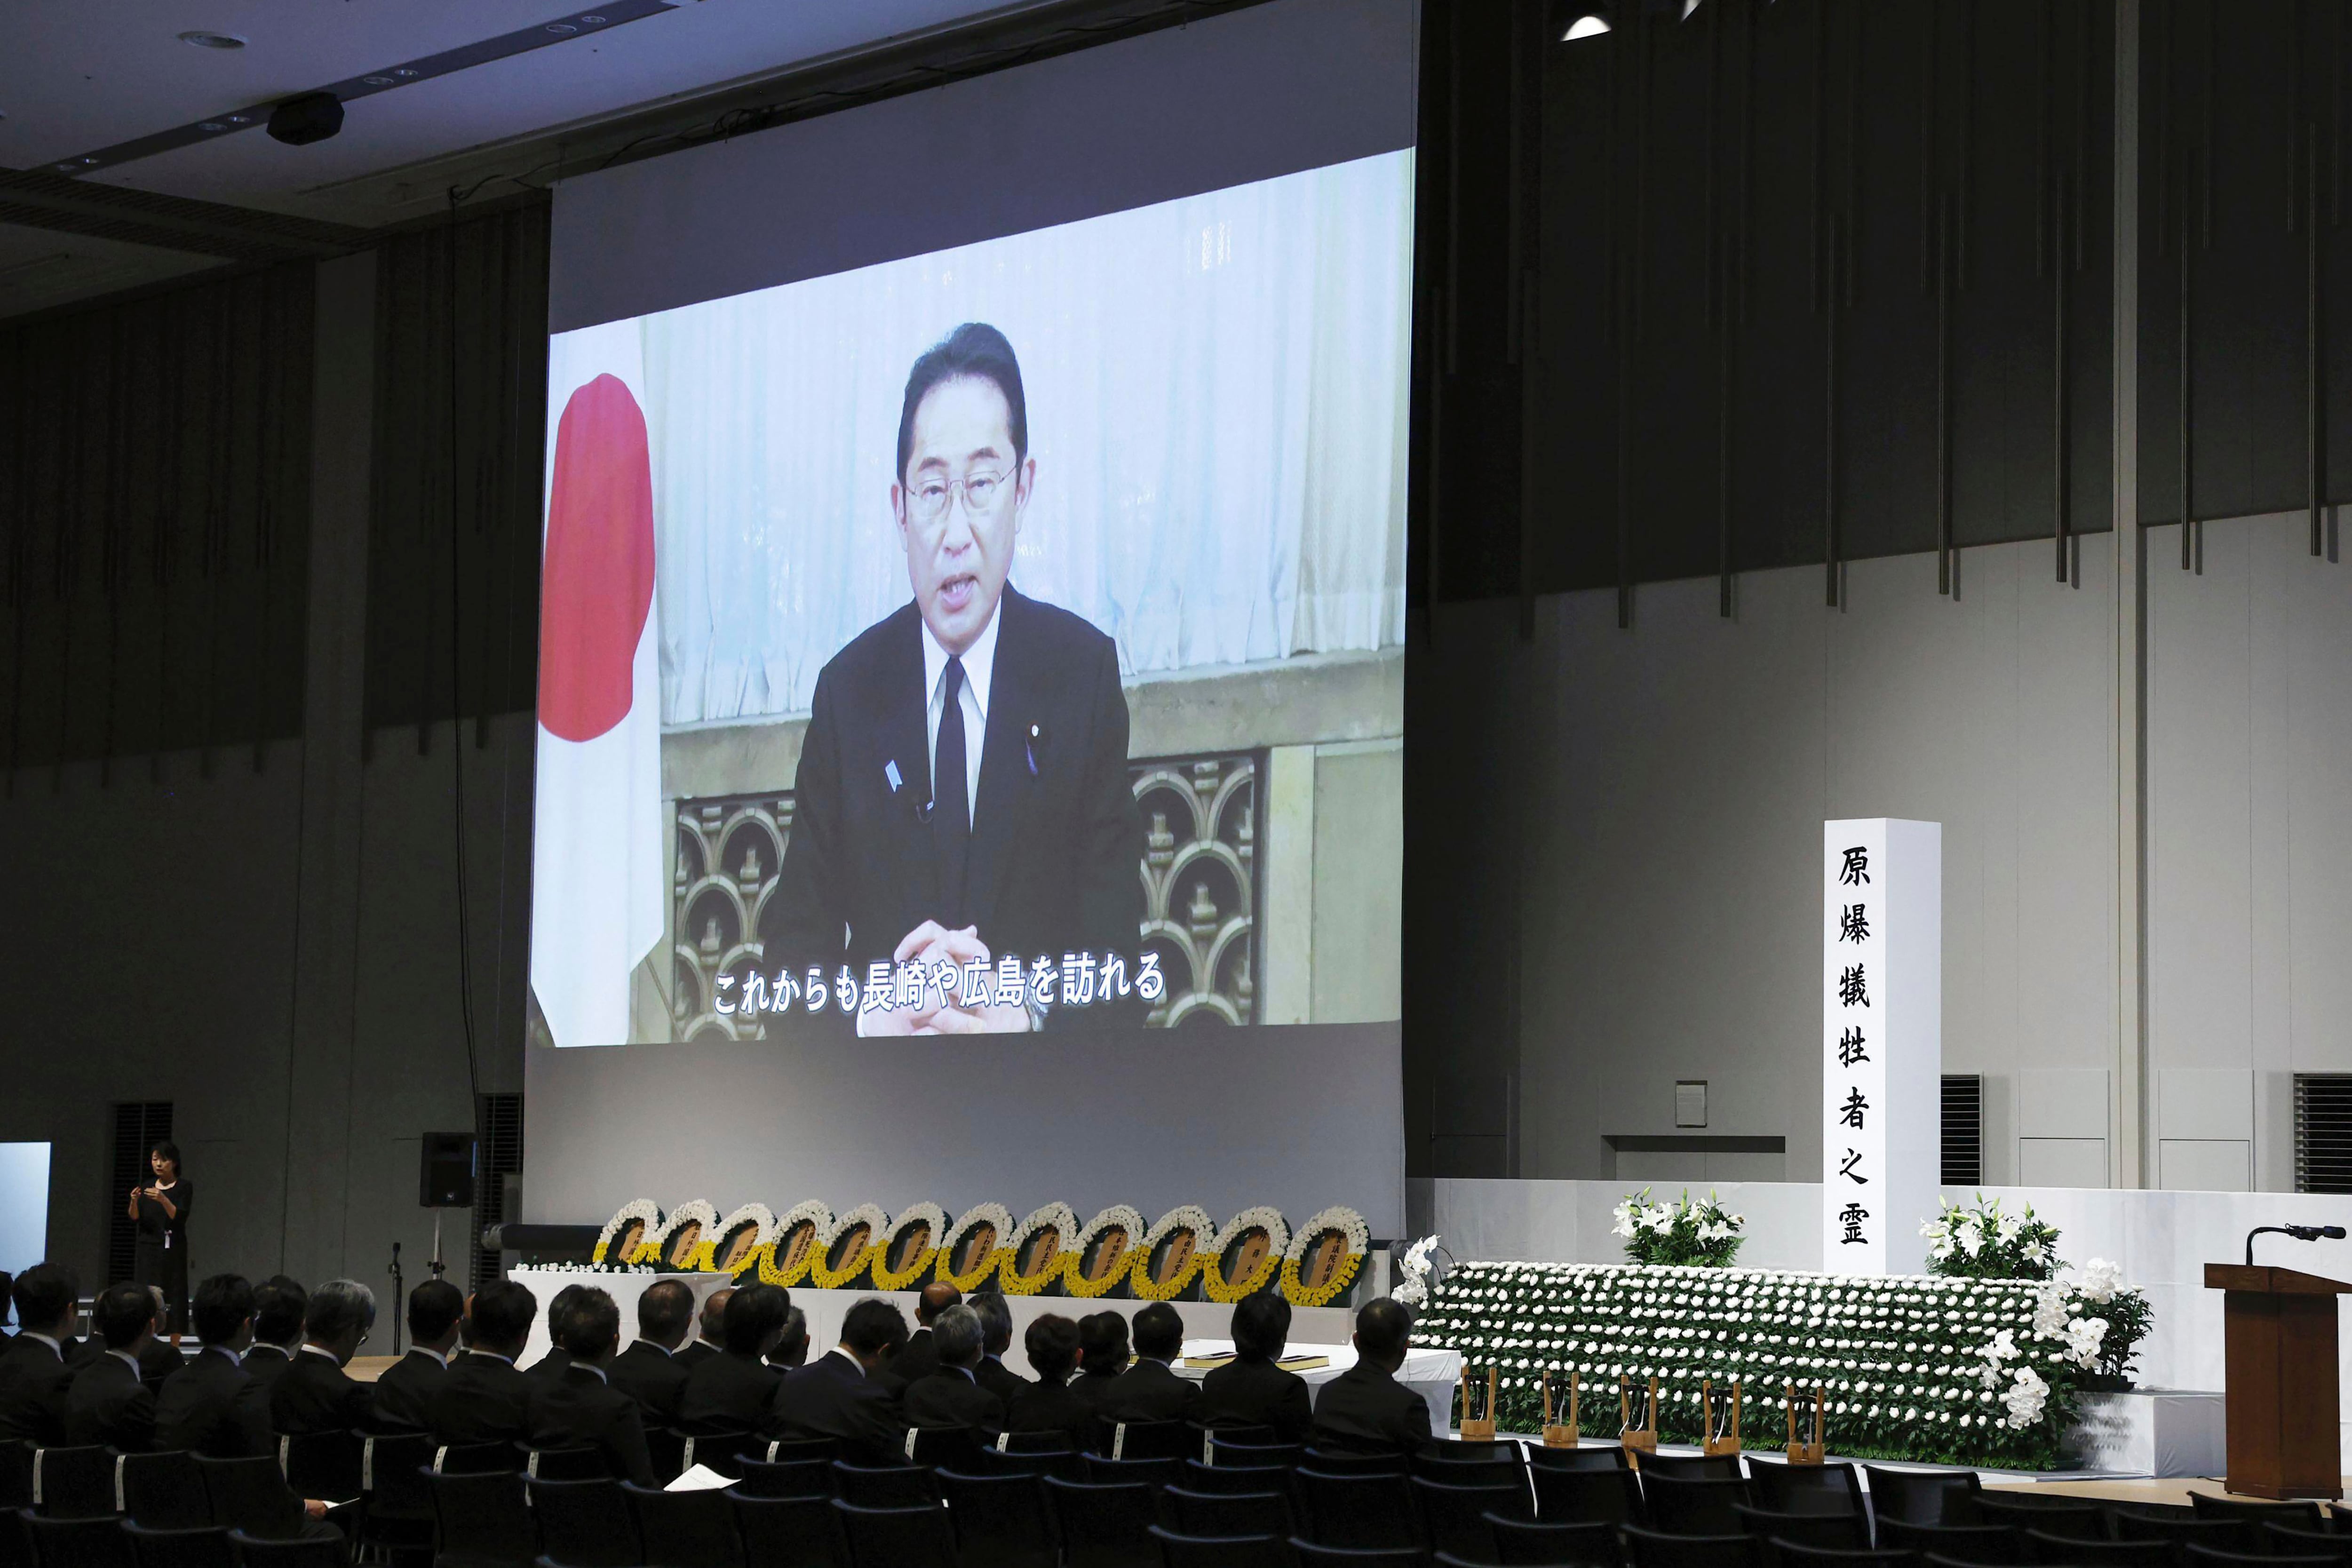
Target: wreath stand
column 1636, row 1440
column 1801, row 1452
column 1479, row 1431
column 1715, row 1438
column 1560, row 1435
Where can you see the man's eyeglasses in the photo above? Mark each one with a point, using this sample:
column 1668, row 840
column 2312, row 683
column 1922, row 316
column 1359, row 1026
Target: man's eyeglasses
column 928, row 498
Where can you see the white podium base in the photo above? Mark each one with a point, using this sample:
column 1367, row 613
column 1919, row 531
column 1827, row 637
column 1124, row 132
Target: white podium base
column 2149, row 1432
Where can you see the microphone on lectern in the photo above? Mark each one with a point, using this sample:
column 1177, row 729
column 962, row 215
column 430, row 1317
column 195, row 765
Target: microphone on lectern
column 2300, row 1231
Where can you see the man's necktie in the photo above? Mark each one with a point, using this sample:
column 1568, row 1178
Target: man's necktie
column 951, row 808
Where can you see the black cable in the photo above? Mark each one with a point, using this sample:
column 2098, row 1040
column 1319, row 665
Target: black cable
column 457, row 702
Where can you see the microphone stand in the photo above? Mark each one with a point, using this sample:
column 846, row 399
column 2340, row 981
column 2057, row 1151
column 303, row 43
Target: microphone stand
column 397, row 1297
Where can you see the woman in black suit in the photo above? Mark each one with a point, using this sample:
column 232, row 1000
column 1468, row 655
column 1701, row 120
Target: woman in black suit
column 161, row 1207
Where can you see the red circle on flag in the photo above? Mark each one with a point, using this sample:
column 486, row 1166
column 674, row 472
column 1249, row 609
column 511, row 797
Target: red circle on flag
column 596, row 583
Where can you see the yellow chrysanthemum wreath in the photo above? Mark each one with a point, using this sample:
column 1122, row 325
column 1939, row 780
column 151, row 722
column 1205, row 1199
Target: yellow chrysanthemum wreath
column 761, row 1222
column 1277, row 1241
column 824, row 1273
column 818, row 1217
column 1191, row 1219
column 934, row 1221
column 987, row 1260
column 1062, row 1225
column 1118, row 1218
column 1350, row 1224
column 635, row 1221
column 671, row 1251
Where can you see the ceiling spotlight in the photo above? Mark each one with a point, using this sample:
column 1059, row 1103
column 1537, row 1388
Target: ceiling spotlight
column 593, row 21
column 377, row 80
column 212, row 125
column 1584, row 25
column 561, row 27
column 208, row 40
column 313, row 117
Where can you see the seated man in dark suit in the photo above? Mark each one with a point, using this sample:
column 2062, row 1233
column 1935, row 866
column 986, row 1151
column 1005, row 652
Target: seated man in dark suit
column 34, row 1375
column 996, row 1338
column 279, row 1305
column 948, row 1394
column 710, row 1337
column 1050, row 1405
column 1150, row 1390
column 404, row 1394
column 729, row 1392
column 483, row 1398
column 1251, row 1390
column 582, row 1410
column 648, row 1370
column 160, row 1359
column 792, row 1352
column 1102, row 1357
column 962, row 794
column 920, row 1358
column 108, row 1402
column 548, row 1370
column 837, row 1395
column 1365, row 1410
column 205, row 1408
column 314, row 1393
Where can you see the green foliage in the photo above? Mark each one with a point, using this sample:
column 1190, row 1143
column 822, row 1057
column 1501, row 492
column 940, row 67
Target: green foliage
column 1685, row 1234
column 1982, row 1242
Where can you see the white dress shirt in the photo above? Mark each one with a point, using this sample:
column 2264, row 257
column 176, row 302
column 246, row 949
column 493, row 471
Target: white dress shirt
column 979, row 668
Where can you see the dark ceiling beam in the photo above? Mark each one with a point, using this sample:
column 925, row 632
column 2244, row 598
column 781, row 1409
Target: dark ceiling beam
column 35, row 199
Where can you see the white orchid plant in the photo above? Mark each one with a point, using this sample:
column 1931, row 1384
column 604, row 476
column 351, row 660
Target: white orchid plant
column 1969, row 1371
column 1413, row 1284
column 1981, row 1242
column 1687, row 1232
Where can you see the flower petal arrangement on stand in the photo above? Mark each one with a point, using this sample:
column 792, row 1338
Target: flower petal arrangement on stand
column 626, row 1231
column 1172, row 1254
column 1324, row 1258
column 1965, row 1372
column 799, row 1243
column 1687, row 1233
column 1103, row 1255
column 845, row 1252
column 1039, row 1253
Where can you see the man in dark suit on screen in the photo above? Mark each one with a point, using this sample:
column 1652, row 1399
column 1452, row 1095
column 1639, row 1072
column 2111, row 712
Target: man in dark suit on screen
column 963, row 797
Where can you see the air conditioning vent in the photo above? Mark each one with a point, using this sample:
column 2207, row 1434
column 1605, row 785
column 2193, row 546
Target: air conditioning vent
column 1963, row 1129
column 2322, row 1133
column 498, row 1132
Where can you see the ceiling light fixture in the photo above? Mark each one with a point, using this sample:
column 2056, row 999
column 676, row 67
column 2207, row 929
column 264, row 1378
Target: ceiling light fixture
column 205, row 39
column 1585, row 25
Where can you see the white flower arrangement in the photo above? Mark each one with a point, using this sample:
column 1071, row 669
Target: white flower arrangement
column 1356, row 1243
column 1057, row 1219
column 670, row 1248
column 763, row 1221
column 644, row 1213
column 935, row 1220
column 2101, row 1280
column 1686, row 1231
column 998, row 1221
column 1413, row 1285
column 1119, row 1217
column 789, row 1272
column 824, row 1273
column 1269, row 1266
column 1188, row 1218
column 1986, row 1243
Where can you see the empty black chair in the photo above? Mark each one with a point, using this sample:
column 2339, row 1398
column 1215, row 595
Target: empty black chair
column 1454, row 1517
column 583, row 1524
column 1588, row 1497
column 787, row 1478
column 935, row 1447
column 1584, row 1457
column 399, row 1512
column 1001, row 1522
column 684, row 1530
column 1330, row 1462
column 248, row 1494
column 1691, row 1507
column 162, row 1491
column 322, row 1465
column 1783, row 1487
column 1104, row 1526
column 200, row 1547
column 1922, row 1496
column 2091, row 1552
column 2197, row 1556
column 789, row 1450
column 666, row 1448
column 2218, row 1534
column 1648, row 1549
column 1829, row 1531
column 1239, row 1432
column 1150, row 1440
column 253, row 1551
column 883, row 1485
column 2071, row 1521
column 2288, row 1541
column 1311, row 1555
column 786, row 1532
column 718, row 1449
column 1357, row 1510
column 77, row 1542
column 1256, row 1456
column 1694, row 1467
column 1220, row 1551
column 480, row 1519
column 2303, row 1514
column 915, row 1537
column 1531, row 1540
column 583, row 1464
column 1206, row 1514
column 1230, row 1480
column 1993, row 1544
column 475, row 1458
column 1506, row 1472
column 1793, row 1555
column 1154, row 1473
column 16, row 1474
column 73, row 1483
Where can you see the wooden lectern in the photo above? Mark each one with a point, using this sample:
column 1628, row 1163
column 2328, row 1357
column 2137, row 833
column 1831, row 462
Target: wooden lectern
column 2279, row 1338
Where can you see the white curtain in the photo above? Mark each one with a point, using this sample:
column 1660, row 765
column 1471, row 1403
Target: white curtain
column 1217, row 393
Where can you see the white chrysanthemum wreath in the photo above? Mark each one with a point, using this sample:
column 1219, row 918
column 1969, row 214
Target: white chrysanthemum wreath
column 683, row 1242
column 1117, row 1218
column 1057, row 1219
column 1351, row 1225
column 1269, row 1266
column 824, row 1273
column 791, row 1271
column 998, row 1221
column 934, row 1220
column 1190, row 1218
column 644, row 1215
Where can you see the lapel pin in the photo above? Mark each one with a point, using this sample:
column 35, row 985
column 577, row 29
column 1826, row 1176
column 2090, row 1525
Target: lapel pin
column 890, row 771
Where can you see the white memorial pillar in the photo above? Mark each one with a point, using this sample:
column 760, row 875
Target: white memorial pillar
column 1882, row 1042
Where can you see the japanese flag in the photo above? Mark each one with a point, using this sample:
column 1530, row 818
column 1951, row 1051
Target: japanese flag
column 598, row 889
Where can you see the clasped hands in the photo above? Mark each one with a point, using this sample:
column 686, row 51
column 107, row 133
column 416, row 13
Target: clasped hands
column 931, row 942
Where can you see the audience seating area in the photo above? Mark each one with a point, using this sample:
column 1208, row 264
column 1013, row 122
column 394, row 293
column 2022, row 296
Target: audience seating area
column 1238, row 1501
